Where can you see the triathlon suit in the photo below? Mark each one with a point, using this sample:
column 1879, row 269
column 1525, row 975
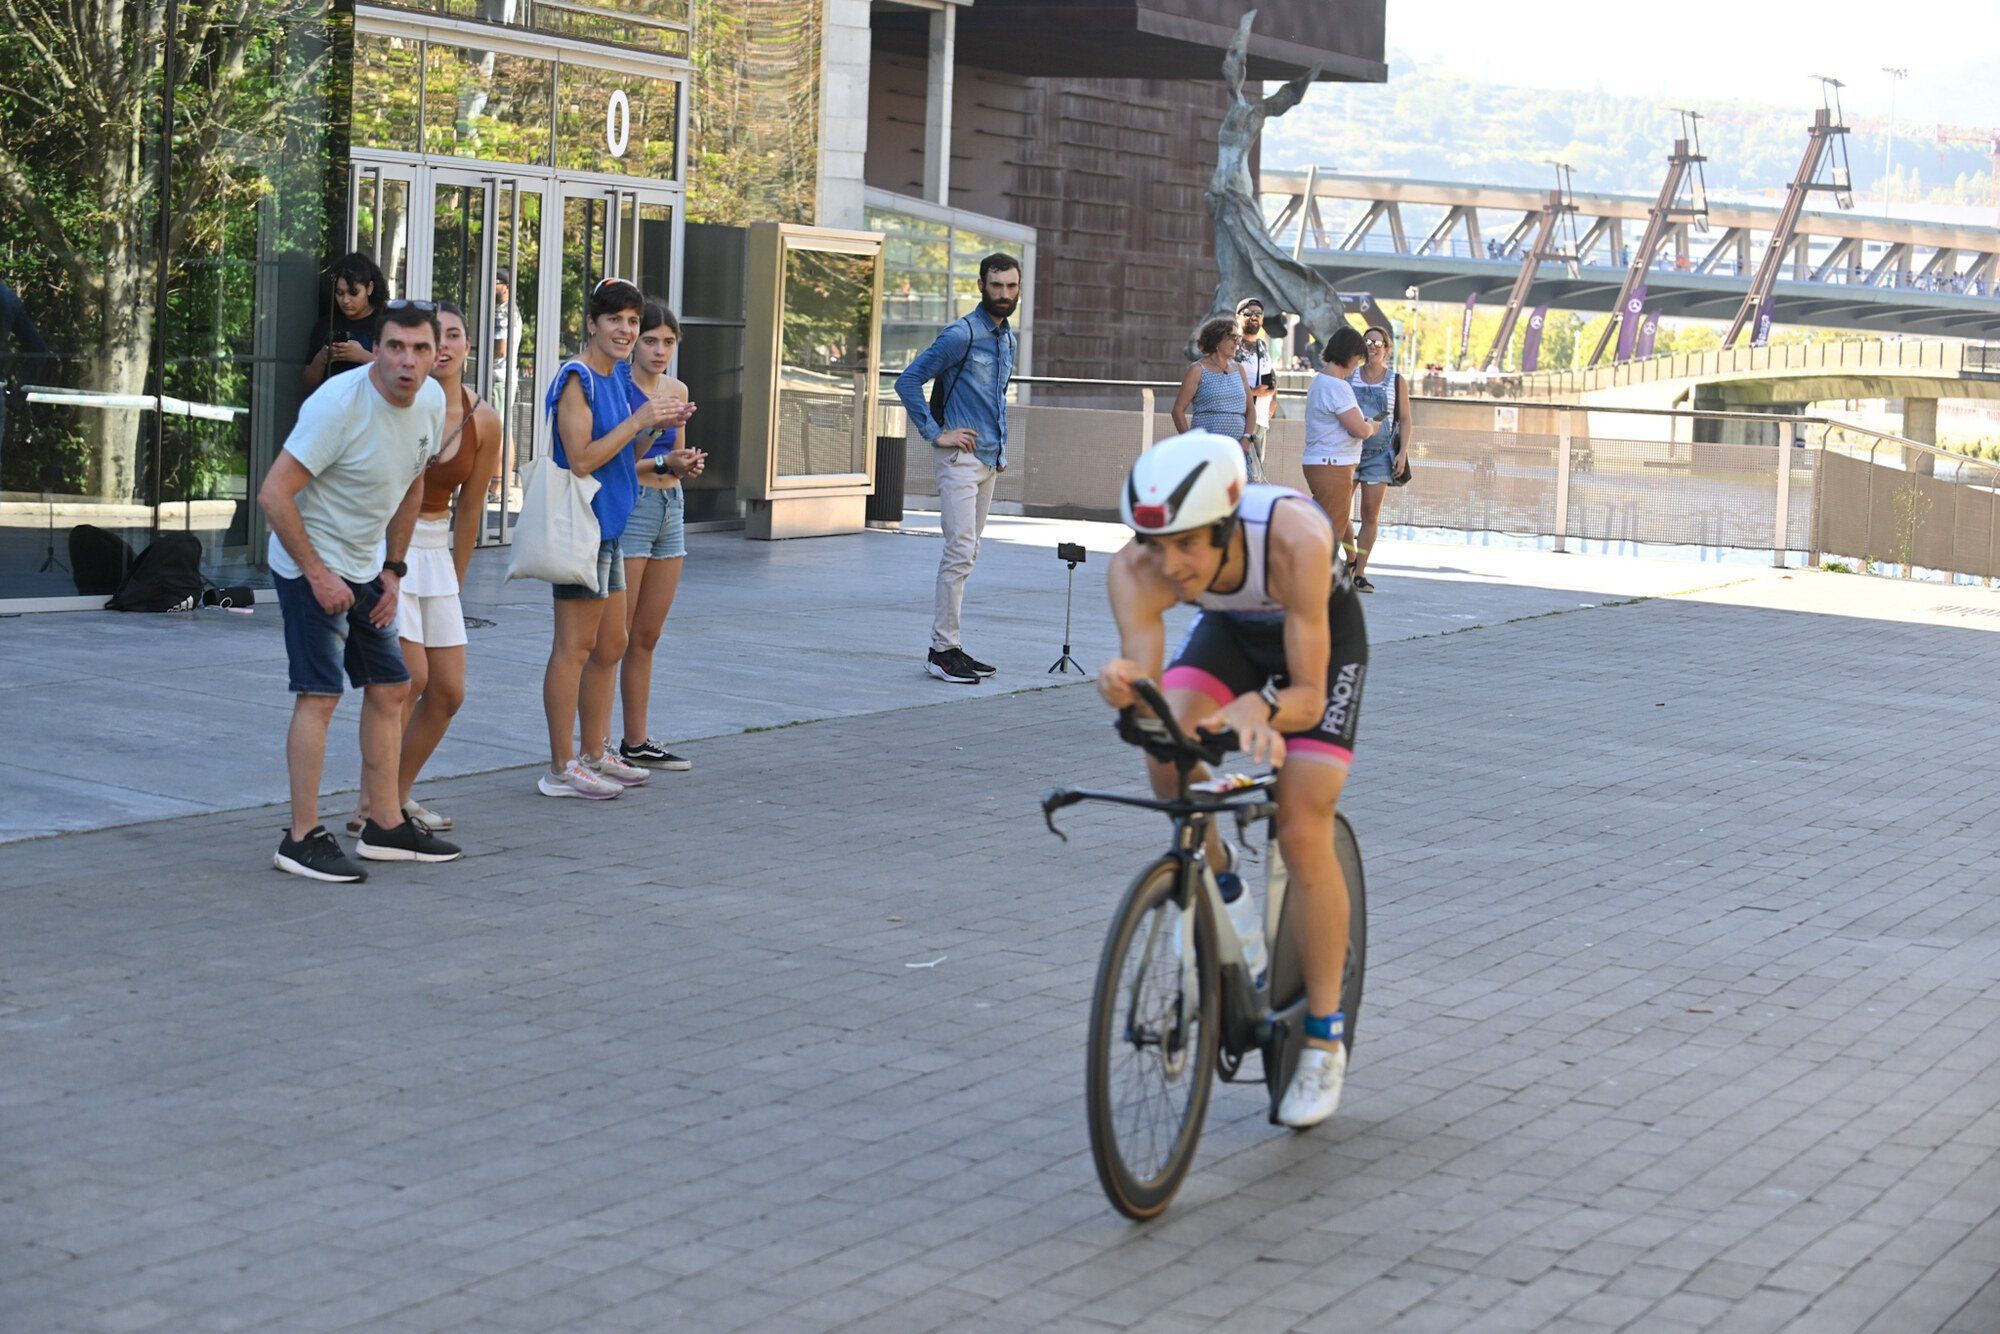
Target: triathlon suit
column 1238, row 641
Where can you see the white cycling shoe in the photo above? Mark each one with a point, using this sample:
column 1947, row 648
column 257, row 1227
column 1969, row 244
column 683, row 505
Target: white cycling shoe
column 1314, row 1093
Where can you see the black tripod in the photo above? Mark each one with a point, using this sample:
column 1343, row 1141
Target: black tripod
column 1065, row 662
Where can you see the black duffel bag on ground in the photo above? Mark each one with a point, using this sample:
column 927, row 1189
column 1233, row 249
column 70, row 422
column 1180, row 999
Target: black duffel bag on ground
column 99, row 560
column 165, row 577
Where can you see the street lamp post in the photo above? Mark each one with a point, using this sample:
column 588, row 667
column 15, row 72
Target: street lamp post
column 1896, row 76
column 1413, row 293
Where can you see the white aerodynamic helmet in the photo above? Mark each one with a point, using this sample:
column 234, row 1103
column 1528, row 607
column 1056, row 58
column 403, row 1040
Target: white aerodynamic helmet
column 1184, row 482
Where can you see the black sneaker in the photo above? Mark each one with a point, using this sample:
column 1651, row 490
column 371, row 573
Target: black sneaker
column 650, row 754
column 317, row 856
column 407, row 842
column 982, row 668
column 951, row 665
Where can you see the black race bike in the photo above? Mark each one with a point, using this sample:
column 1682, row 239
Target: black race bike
column 1174, row 1004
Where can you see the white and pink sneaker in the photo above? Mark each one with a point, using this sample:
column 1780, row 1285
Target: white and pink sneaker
column 576, row 780
column 611, row 768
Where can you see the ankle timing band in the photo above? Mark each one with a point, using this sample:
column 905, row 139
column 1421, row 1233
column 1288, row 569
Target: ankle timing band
column 1326, row 1028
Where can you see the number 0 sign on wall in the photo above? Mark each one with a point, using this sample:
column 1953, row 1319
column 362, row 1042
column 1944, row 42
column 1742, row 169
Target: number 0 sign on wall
column 617, row 122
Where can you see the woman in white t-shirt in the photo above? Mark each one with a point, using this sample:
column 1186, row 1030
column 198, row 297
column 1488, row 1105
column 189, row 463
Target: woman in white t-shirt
column 1335, row 430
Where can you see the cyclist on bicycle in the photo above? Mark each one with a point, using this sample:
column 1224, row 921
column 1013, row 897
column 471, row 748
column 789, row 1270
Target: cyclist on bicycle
column 1277, row 655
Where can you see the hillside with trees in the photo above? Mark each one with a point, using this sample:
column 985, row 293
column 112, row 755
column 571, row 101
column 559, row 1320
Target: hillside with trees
column 1433, row 125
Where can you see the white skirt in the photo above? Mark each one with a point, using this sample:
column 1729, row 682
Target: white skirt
column 428, row 611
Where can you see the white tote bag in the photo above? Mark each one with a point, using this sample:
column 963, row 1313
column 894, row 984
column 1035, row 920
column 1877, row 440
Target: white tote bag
column 556, row 535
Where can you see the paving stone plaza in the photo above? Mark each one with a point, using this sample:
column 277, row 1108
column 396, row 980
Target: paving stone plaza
column 1684, row 966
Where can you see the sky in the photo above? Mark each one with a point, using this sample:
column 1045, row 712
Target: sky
column 1749, row 50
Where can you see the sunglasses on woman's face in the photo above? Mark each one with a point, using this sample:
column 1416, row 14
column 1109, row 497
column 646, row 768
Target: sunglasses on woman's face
column 1373, row 344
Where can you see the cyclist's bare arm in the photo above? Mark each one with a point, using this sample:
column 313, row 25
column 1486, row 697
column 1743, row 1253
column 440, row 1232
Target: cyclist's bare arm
column 1139, row 602
column 1301, row 577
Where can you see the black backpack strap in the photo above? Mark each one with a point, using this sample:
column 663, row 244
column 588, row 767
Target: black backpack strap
column 941, row 389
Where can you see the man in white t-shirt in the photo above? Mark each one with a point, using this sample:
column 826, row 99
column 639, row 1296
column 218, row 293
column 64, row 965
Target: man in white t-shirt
column 1253, row 353
column 341, row 501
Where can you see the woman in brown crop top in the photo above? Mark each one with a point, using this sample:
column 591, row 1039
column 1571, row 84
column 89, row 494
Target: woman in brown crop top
column 429, row 617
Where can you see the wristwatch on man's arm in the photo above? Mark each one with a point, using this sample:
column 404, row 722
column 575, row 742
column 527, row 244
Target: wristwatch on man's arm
column 398, row 568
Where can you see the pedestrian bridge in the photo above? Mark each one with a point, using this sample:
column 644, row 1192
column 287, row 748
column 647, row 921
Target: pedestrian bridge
column 1782, row 375
column 1383, row 235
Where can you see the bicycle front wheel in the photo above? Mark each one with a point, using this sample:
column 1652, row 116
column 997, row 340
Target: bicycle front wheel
column 1151, row 1059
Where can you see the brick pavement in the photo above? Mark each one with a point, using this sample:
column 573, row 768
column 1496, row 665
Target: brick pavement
column 1685, row 956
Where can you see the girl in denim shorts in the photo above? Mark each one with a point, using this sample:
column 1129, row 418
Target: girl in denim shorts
column 655, row 539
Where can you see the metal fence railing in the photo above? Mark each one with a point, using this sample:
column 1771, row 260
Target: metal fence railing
column 1797, row 487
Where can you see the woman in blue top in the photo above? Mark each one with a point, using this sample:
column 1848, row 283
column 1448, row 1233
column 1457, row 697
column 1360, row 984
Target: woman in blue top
column 1215, row 395
column 1384, row 399
column 595, row 423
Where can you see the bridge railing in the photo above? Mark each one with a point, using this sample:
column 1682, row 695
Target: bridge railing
column 1619, row 479
column 1941, row 357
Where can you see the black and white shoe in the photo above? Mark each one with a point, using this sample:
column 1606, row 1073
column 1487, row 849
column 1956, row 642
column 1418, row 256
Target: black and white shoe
column 317, row 856
column 407, row 842
column 982, row 668
column 950, row 664
column 650, row 754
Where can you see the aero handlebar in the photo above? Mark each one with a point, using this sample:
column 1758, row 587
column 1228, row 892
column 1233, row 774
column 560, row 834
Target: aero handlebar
column 1161, row 736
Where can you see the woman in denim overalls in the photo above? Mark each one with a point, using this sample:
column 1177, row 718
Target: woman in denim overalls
column 1384, row 398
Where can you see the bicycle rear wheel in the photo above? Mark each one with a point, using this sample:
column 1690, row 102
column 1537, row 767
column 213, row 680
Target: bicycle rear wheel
column 1148, row 1072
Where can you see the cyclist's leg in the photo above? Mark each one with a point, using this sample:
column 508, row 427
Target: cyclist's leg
column 1308, row 792
column 1211, row 668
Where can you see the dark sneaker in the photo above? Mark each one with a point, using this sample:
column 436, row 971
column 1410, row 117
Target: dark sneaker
column 650, row 754
column 317, row 856
column 982, row 668
column 1361, row 584
column 407, row 842
column 950, row 665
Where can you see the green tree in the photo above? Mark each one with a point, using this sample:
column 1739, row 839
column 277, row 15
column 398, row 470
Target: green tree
column 81, row 97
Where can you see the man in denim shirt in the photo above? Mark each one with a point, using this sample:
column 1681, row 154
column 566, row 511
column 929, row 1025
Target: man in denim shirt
column 965, row 420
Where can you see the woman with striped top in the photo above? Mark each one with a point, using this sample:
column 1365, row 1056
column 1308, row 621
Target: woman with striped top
column 1215, row 395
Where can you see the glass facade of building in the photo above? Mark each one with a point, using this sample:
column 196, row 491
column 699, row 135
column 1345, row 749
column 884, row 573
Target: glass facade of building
column 931, row 269
column 156, row 311
column 146, row 346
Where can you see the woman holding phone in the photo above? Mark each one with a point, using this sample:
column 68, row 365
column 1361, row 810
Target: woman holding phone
column 1384, row 399
column 346, row 338
column 1335, row 430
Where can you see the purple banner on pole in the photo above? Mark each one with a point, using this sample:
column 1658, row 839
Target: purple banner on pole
column 1628, row 322
column 1642, row 347
column 1465, row 330
column 1760, row 333
column 1531, row 342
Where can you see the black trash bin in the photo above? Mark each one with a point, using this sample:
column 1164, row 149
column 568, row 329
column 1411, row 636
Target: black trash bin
column 891, row 457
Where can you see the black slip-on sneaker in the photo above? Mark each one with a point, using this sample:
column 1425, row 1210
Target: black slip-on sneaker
column 650, row 754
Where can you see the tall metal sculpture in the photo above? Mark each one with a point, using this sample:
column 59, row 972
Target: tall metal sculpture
column 1251, row 262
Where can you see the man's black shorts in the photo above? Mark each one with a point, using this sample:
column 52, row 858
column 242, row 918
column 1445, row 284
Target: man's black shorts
column 1225, row 656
